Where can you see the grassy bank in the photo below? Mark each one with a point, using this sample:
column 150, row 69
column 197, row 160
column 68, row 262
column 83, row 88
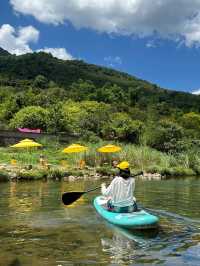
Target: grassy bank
column 63, row 165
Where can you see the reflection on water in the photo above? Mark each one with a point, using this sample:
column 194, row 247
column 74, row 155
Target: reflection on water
column 37, row 229
column 119, row 249
column 124, row 245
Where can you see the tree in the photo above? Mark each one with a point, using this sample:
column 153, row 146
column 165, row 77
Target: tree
column 112, row 94
column 96, row 115
column 165, row 136
column 191, row 122
column 73, row 114
column 81, row 90
column 86, row 116
column 51, row 96
column 56, row 119
column 31, row 117
column 8, row 108
column 41, row 82
column 122, row 127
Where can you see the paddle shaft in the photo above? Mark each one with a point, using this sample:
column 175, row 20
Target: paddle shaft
column 93, row 189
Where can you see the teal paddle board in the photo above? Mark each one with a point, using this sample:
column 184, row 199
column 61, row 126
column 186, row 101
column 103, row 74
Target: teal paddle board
column 134, row 220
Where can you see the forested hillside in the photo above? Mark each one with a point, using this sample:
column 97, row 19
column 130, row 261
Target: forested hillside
column 40, row 91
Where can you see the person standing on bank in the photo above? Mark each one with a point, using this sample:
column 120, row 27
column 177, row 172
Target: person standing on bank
column 120, row 191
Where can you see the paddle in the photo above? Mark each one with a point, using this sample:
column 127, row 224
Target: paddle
column 70, row 197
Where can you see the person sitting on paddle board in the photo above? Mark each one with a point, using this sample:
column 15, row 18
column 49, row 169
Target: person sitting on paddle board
column 120, row 191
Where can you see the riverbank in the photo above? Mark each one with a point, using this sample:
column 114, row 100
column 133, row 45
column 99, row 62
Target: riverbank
column 10, row 173
column 25, row 165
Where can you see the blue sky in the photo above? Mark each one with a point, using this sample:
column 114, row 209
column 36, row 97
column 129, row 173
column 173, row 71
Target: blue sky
column 153, row 40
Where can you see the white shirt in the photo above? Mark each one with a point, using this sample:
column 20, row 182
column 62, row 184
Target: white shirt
column 120, row 191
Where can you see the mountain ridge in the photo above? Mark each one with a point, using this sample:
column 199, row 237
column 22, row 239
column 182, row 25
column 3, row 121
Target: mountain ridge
column 3, row 52
column 64, row 73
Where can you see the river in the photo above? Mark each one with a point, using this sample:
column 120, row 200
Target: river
column 37, row 229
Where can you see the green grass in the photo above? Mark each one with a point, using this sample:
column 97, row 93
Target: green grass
column 139, row 157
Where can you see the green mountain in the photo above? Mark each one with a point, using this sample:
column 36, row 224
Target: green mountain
column 3, row 52
column 24, row 69
column 62, row 72
column 74, row 97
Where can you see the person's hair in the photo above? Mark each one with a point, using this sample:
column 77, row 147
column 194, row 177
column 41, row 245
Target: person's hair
column 125, row 173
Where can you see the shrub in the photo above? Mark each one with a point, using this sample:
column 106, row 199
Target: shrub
column 168, row 171
column 123, row 128
column 4, row 176
column 154, row 169
column 178, row 171
column 106, row 171
column 75, row 173
column 29, row 175
column 56, row 173
column 90, row 137
column 41, row 173
column 191, row 121
column 166, row 136
column 196, row 168
column 31, row 117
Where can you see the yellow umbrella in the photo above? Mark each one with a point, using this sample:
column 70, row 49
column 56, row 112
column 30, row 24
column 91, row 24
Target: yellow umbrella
column 75, row 148
column 109, row 148
column 26, row 143
column 26, row 140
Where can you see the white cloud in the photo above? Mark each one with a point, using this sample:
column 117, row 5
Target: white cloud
column 151, row 44
column 175, row 19
column 28, row 34
column 196, row 92
column 113, row 61
column 60, row 53
column 17, row 41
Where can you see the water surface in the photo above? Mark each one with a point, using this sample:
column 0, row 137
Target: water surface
column 37, row 229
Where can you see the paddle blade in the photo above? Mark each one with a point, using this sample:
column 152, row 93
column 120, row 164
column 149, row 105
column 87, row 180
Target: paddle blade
column 70, row 197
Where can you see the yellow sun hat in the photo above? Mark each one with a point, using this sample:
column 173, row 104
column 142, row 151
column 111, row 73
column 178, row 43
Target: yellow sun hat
column 123, row 165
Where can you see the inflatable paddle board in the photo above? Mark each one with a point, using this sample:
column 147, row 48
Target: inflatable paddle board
column 140, row 219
